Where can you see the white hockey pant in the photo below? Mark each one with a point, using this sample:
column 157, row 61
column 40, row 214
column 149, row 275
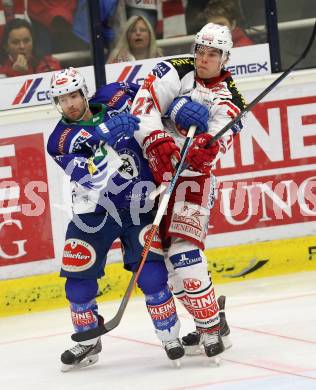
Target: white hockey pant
column 191, row 283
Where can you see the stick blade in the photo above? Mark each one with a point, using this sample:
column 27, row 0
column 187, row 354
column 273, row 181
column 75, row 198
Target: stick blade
column 95, row 332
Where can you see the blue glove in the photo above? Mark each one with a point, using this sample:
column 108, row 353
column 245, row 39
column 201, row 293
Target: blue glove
column 120, row 125
column 184, row 112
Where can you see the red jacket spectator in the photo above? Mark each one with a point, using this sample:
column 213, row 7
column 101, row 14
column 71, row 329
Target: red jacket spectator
column 240, row 38
column 44, row 11
column 8, row 13
column 46, row 64
column 17, row 54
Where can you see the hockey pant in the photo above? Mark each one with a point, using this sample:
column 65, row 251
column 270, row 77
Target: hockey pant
column 191, row 283
column 152, row 281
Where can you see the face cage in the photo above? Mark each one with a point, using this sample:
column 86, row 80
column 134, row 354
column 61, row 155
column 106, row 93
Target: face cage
column 224, row 54
column 56, row 104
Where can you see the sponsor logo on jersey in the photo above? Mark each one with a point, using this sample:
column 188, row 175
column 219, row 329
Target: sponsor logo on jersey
column 191, row 284
column 78, row 255
column 62, row 139
column 186, row 259
column 79, row 139
column 202, row 307
column 189, row 221
column 161, row 69
column 156, row 246
column 115, row 98
column 162, row 311
column 182, row 61
column 29, row 90
column 83, row 318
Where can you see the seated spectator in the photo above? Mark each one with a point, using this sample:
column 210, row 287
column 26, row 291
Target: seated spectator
column 17, row 56
column 10, row 9
column 52, row 23
column 137, row 42
column 227, row 13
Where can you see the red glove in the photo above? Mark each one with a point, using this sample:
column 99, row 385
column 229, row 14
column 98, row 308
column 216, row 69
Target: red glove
column 200, row 157
column 161, row 152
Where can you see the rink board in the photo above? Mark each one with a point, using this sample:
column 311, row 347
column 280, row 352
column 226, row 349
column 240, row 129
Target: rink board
column 237, row 263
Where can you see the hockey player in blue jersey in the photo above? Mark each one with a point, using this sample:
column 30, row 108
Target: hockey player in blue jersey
column 93, row 143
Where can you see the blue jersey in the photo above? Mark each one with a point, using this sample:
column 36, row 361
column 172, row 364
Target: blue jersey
column 117, row 179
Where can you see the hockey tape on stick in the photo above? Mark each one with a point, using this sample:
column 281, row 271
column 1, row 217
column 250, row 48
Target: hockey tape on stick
column 114, row 322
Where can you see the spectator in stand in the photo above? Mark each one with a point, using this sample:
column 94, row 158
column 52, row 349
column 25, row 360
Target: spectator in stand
column 52, row 23
column 137, row 42
column 17, row 56
column 227, row 13
column 10, row 9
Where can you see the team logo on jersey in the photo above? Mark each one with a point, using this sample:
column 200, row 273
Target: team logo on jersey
column 161, row 69
column 78, row 255
column 128, row 170
column 156, row 245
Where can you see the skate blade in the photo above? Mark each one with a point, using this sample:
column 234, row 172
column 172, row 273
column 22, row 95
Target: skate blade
column 214, row 361
column 193, row 350
column 227, row 342
column 176, row 363
column 84, row 363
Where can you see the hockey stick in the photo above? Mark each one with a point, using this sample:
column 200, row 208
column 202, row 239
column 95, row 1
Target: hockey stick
column 265, row 91
column 114, row 322
column 248, row 108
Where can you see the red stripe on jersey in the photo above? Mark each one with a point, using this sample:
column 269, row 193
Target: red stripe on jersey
column 172, row 8
column 231, row 106
column 154, row 96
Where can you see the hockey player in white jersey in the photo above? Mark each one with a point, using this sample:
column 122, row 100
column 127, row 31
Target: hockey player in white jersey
column 179, row 93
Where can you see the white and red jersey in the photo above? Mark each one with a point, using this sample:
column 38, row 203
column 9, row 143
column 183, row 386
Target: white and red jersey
column 175, row 77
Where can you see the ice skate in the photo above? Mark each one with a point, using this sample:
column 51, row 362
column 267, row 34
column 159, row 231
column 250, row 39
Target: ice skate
column 174, row 350
column 80, row 356
column 213, row 346
column 192, row 342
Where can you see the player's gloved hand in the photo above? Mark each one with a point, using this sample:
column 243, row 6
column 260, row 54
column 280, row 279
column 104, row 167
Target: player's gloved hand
column 185, row 113
column 162, row 154
column 200, row 157
column 120, row 125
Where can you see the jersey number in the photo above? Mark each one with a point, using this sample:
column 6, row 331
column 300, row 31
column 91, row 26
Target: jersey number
column 143, row 106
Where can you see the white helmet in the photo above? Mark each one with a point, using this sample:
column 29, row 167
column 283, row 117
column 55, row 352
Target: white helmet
column 215, row 35
column 67, row 81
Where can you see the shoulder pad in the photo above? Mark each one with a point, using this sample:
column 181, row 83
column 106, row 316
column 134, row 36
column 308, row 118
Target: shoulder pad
column 115, row 94
column 182, row 65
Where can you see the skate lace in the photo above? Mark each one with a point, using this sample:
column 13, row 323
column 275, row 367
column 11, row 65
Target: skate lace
column 171, row 344
column 78, row 349
column 210, row 338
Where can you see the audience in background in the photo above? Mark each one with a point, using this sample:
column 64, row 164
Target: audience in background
column 11, row 9
column 167, row 17
column 52, row 24
column 17, row 54
column 137, row 42
column 227, row 13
